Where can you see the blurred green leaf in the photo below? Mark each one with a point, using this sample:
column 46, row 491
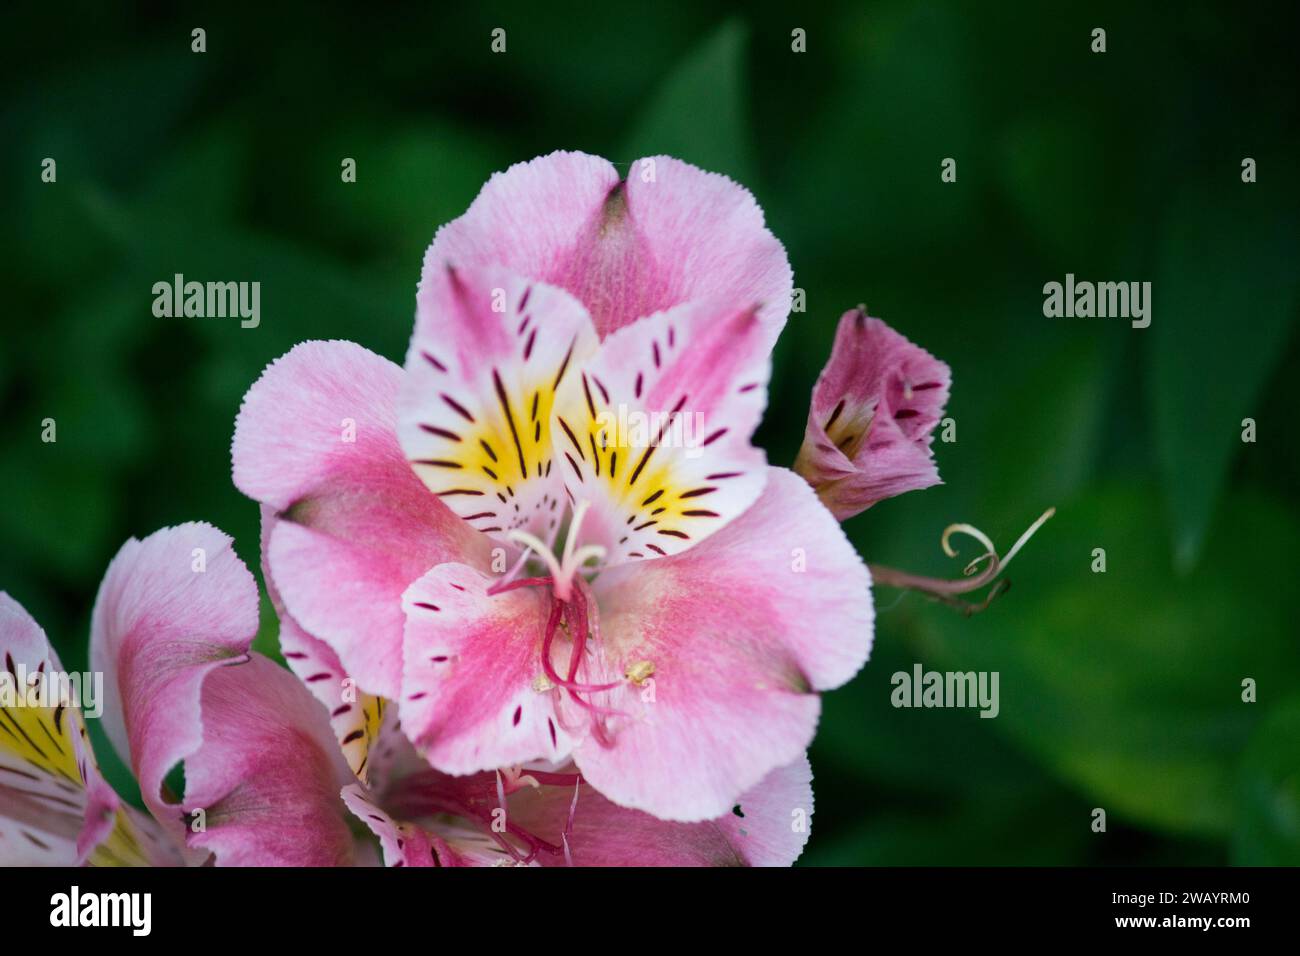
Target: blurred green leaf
column 410, row 180
column 1268, row 822
column 1057, row 405
column 303, row 295
column 1127, row 683
column 700, row 113
column 863, row 735
column 60, row 511
column 203, row 178
column 865, row 176
column 75, row 116
column 1225, row 299
column 1054, row 175
column 86, row 383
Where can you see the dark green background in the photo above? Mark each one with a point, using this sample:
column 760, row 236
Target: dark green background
column 1118, row 690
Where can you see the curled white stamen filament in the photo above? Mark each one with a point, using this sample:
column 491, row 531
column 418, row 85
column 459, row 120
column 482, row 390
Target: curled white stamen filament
column 990, row 552
column 966, row 529
column 1029, row 533
column 947, row 591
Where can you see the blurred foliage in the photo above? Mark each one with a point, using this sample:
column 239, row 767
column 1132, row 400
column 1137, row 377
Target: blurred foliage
column 1119, row 690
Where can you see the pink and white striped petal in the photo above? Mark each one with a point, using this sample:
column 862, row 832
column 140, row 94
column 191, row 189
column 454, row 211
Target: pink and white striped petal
column 490, row 350
column 654, row 431
column 55, row 807
column 402, row 843
column 355, row 716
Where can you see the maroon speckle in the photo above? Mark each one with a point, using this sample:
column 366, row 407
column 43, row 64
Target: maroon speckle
column 458, row 408
column 698, row 492
column 834, row 415
column 440, row 432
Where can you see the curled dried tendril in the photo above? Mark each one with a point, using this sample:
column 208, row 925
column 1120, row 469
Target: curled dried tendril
column 976, row 577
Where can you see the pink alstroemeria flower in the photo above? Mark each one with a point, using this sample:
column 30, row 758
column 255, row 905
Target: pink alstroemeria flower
column 173, row 622
column 265, row 782
column 873, row 412
column 589, row 361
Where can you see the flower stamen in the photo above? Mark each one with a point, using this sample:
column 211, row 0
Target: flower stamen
column 947, row 590
column 565, row 569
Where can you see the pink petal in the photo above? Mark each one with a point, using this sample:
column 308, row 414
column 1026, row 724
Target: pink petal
column 355, row 716
column 488, row 353
column 289, row 436
column 403, row 843
column 768, row 825
column 775, row 818
column 160, row 628
column 469, row 701
column 670, row 234
column 873, row 410
column 772, row 831
column 55, row 807
column 741, row 632
column 351, row 525
column 654, row 430
column 268, row 773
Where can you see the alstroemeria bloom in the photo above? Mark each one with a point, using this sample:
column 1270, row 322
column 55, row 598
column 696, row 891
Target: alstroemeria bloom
column 173, row 622
column 589, row 362
column 873, row 410
column 265, row 782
